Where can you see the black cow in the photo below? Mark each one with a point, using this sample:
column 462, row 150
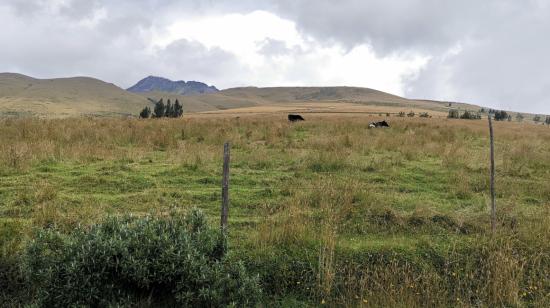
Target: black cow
column 379, row 124
column 295, row 117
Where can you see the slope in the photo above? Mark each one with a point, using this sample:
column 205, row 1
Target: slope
column 65, row 97
column 251, row 99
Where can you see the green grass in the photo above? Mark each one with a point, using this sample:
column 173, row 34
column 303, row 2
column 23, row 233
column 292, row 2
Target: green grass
column 300, row 194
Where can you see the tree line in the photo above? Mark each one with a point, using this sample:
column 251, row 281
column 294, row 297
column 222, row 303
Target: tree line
column 161, row 110
column 498, row 115
column 468, row 115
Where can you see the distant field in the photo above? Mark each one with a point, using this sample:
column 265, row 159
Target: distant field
column 325, row 211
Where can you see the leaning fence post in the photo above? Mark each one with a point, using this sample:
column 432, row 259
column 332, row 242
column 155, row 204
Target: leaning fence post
column 225, row 187
column 493, row 206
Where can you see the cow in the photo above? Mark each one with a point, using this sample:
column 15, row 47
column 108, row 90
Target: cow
column 295, row 117
column 378, row 124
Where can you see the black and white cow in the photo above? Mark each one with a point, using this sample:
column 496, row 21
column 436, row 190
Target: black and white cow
column 379, row 124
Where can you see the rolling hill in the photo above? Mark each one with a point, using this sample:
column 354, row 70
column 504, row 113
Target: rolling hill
column 21, row 95
column 312, row 99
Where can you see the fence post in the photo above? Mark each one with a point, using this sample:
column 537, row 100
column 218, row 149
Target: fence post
column 493, row 206
column 225, row 187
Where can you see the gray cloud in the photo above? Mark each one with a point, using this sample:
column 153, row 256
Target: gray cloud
column 502, row 63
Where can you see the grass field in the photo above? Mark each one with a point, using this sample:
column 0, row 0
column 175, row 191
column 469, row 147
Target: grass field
column 325, row 211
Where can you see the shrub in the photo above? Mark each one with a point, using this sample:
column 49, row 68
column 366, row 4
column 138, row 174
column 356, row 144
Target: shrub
column 453, row 114
column 411, row 114
column 468, row 115
column 501, row 115
column 519, row 117
column 401, row 114
column 145, row 113
column 177, row 260
column 424, row 115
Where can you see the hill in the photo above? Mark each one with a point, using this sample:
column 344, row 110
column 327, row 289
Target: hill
column 65, row 97
column 308, row 99
column 21, row 95
column 153, row 83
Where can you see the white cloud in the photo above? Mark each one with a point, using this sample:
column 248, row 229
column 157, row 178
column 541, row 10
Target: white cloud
column 300, row 60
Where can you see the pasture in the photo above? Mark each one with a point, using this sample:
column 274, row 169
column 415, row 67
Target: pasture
column 325, row 211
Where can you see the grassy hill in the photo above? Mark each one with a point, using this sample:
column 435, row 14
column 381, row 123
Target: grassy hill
column 253, row 99
column 21, row 95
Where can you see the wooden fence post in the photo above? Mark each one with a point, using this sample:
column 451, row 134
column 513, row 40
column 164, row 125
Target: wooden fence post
column 225, row 187
column 493, row 206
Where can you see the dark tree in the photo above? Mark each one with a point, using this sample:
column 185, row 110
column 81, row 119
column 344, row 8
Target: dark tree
column 169, row 113
column 145, row 113
column 178, row 109
column 547, row 120
column 160, row 109
column 537, row 118
column 453, row 114
column 501, row 115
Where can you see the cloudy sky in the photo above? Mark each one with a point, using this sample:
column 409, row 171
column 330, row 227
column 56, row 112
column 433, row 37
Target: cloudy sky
column 492, row 52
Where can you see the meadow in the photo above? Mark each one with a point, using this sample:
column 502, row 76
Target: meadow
column 325, row 211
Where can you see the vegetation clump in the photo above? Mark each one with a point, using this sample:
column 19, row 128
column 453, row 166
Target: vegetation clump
column 169, row 261
column 145, row 113
column 501, row 115
column 467, row 115
column 163, row 111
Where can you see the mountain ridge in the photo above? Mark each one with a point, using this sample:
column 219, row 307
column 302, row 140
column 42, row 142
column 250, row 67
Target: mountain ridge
column 160, row 84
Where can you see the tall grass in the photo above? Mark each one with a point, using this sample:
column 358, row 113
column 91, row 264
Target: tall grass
column 325, row 210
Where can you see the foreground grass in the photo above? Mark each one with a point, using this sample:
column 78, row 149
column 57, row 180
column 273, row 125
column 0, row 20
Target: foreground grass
column 325, row 210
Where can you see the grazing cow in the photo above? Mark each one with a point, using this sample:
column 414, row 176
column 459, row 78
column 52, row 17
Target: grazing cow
column 295, row 117
column 379, row 124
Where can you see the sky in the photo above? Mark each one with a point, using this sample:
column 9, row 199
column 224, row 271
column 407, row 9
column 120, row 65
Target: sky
column 494, row 53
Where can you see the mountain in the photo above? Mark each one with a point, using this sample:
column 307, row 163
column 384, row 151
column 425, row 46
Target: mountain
column 153, row 83
column 65, row 97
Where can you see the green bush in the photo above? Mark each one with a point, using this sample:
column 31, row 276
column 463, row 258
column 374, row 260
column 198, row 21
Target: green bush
column 174, row 261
